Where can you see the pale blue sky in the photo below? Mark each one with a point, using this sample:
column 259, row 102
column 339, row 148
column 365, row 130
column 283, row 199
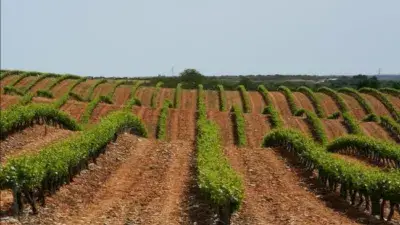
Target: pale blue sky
column 142, row 38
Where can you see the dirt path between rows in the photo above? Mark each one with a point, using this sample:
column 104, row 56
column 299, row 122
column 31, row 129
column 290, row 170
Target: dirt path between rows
column 62, row 88
column 165, row 94
column 257, row 126
column 149, row 117
column 102, row 110
column 256, row 101
column 233, row 98
column 279, row 101
column 145, row 184
column 212, row 100
column 74, row 108
column 122, row 94
column 354, row 106
column 144, row 95
column 395, row 101
column 189, row 100
column 25, row 81
column 181, row 125
column 83, row 88
column 302, row 101
column 224, row 122
column 103, row 89
column 43, row 84
column 297, row 123
column 376, row 105
column 373, row 129
column 327, row 103
column 7, row 80
column 334, row 128
column 8, row 100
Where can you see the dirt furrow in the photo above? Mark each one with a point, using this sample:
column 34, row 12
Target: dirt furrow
column 265, row 176
column 279, row 101
column 62, row 88
column 303, row 101
column 376, row 105
column 256, row 101
column 7, row 80
column 334, row 128
column 354, row 106
column 257, row 126
column 373, row 129
column 233, row 98
column 186, row 125
column 150, row 119
column 298, row 123
column 395, row 101
column 327, row 103
column 189, row 100
column 224, row 121
column 43, row 100
column 83, row 88
column 144, row 95
column 74, row 108
column 43, row 84
column 102, row 110
column 122, row 94
column 165, row 94
column 212, row 100
column 103, row 89
column 27, row 80
column 8, row 100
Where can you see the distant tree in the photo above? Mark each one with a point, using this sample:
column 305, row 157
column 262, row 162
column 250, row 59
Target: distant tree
column 372, row 82
column 246, row 82
column 191, row 78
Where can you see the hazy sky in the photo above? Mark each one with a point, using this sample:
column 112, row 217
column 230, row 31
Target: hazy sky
column 139, row 38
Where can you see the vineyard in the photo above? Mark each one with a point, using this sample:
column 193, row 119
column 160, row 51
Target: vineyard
column 87, row 150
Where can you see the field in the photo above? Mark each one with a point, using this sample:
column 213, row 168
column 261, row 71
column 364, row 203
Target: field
column 111, row 151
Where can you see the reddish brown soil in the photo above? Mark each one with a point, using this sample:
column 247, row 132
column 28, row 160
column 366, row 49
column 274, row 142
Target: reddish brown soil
column 30, row 140
column 256, row 101
column 302, row 101
column 327, row 103
column 42, row 100
column 376, row 105
column 395, row 101
column 233, row 98
column 297, row 123
column 279, row 101
column 224, row 122
column 74, row 108
column 137, row 181
column 8, row 100
column 165, row 94
column 103, row 110
column 62, row 88
column 103, row 89
column 149, row 117
column 354, row 107
column 43, row 84
column 83, row 88
column 212, row 100
column 27, row 80
column 7, row 80
column 122, row 94
column 373, row 129
column 257, row 126
column 144, row 95
column 275, row 194
column 189, row 100
column 334, row 128
column 181, row 125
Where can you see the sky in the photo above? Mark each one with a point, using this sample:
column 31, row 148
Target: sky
column 146, row 38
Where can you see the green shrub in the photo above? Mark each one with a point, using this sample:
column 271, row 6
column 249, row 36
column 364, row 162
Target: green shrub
column 245, row 99
column 162, row 121
column 353, row 92
column 336, row 97
column 371, row 118
column 11, row 90
column 201, row 105
column 26, row 99
column 314, row 100
column 177, row 96
column 239, row 126
column 351, row 124
column 265, row 94
column 334, row 116
column 222, row 98
column 290, row 99
column 44, row 93
column 274, row 116
column 317, row 127
column 377, row 94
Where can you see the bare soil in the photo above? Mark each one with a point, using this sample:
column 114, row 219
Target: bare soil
column 257, row 126
column 62, row 88
column 103, row 89
column 354, row 107
column 376, row 105
column 327, row 103
column 165, row 94
column 256, row 101
column 233, row 98
column 43, row 84
column 8, row 100
column 7, row 80
column 279, row 101
column 149, row 117
column 302, row 101
column 25, row 81
column 74, row 108
column 83, row 88
column 144, row 95
column 181, row 125
column 334, row 128
column 102, row 110
column 189, row 99
column 373, row 129
column 212, row 100
column 298, row 123
column 122, row 94
column 224, row 121
column 395, row 101
column 42, row 100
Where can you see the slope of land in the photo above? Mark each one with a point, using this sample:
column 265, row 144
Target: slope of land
column 122, row 94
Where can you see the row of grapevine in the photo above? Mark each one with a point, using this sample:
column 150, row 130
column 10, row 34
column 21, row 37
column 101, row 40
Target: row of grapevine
column 44, row 94
column 162, row 120
column 20, row 77
column 274, row 116
column 391, row 126
column 40, row 78
column 377, row 150
column 245, row 99
column 116, row 85
column 61, row 101
column 222, row 98
column 239, row 126
column 62, row 78
column 32, row 175
column 317, row 127
column 132, row 99
column 11, row 90
column 351, row 124
column 314, row 100
column 92, row 105
column 177, row 96
column 364, row 104
column 153, row 101
column 336, row 97
column 290, row 99
column 216, row 179
column 377, row 94
column 20, row 117
column 351, row 178
column 390, row 91
column 93, row 87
